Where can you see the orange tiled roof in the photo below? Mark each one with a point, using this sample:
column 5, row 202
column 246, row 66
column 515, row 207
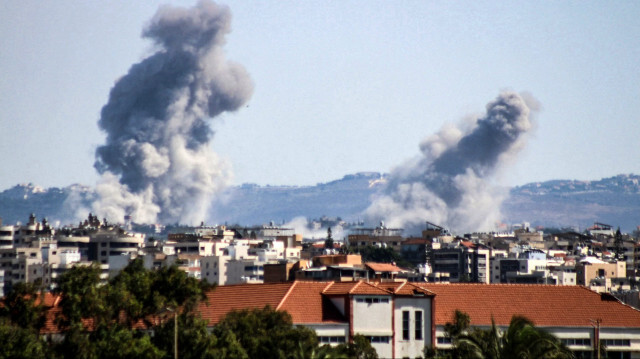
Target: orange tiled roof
column 306, row 304
column 357, row 288
column 404, row 288
column 545, row 305
column 303, row 300
column 467, row 244
column 226, row 298
column 383, row 267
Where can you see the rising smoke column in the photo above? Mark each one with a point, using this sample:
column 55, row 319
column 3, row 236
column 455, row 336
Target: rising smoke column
column 157, row 164
column 449, row 183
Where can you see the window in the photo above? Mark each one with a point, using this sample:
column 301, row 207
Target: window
column 405, row 325
column 327, row 340
column 378, row 339
column 617, row 342
column 444, row 340
column 418, row 324
column 577, row 341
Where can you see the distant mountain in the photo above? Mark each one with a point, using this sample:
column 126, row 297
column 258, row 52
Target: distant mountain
column 252, row 204
column 559, row 203
column 556, row 203
column 55, row 204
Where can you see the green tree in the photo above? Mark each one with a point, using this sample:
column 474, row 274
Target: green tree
column 120, row 342
column 521, row 340
column 82, row 297
column 359, row 348
column 139, row 293
column 328, row 243
column 619, row 245
column 452, row 330
column 381, row 255
column 23, row 306
column 194, row 340
column 267, row 333
column 17, row 342
column 98, row 318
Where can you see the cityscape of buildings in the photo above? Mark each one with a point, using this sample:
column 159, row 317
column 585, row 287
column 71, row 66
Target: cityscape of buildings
column 338, row 290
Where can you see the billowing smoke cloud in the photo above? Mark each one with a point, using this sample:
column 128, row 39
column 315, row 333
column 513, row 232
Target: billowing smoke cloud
column 157, row 164
column 450, row 183
column 302, row 226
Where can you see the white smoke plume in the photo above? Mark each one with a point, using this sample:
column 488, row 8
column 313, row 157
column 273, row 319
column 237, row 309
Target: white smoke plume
column 157, row 164
column 302, row 226
column 450, row 183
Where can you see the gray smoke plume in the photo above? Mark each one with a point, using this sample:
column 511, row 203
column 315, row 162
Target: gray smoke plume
column 157, row 164
column 449, row 183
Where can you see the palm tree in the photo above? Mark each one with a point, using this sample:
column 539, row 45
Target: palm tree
column 521, row 340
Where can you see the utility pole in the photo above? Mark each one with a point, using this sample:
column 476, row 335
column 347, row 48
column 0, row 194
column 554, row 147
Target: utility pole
column 175, row 334
column 596, row 326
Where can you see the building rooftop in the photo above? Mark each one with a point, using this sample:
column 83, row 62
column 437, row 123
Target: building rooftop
column 545, row 305
column 383, row 267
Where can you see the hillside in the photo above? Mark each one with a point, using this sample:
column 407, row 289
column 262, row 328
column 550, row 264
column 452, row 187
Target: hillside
column 556, row 203
column 614, row 200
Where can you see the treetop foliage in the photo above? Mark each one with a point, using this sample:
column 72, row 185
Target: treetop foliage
column 114, row 320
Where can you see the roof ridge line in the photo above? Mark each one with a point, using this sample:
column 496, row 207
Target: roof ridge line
column 400, row 286
column 281, row 303
column 355, row 286
column 328, row 286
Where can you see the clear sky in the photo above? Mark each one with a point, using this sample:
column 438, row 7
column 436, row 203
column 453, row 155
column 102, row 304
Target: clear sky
column 340, row 86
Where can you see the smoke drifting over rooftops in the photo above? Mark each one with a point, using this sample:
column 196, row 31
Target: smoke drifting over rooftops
column 449, row 183
column 157, row 164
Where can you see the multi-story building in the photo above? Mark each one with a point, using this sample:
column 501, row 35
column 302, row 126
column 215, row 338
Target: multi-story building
column 530, row 266
column 396, row 317
column 589, row 269
column 602, row 276
column 380, row 236
column 460, row 261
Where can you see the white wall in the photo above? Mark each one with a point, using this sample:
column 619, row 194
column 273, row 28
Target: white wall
column 413, row 347
column 372, row 318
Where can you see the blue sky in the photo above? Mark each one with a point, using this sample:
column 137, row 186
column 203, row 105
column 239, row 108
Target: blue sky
column 340, row 86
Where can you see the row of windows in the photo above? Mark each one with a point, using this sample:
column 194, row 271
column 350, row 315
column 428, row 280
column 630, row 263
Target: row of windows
column 379, row 339
column 372, row 300
column 327, row 340
column 572, row 341
column 617, row 342
column 406, row 318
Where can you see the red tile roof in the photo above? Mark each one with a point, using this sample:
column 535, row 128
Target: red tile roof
column 545, row 305
column 226, row 298
column 306, row 304
column 302, row 300
column 354, row 288
column 404, row 288
column 383, row 267
column 467, row 244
